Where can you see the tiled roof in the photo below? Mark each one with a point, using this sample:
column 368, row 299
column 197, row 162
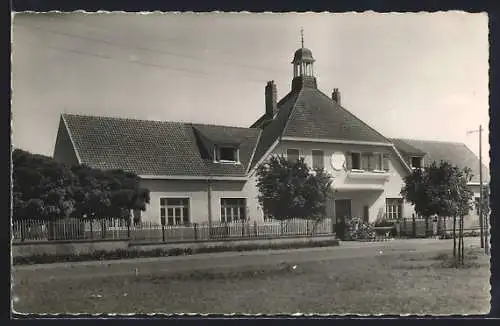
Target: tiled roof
column 406, row 148
column 158, row 148
column 456, row 153
column 275, row 127
column 309, row 113
column 315, row 115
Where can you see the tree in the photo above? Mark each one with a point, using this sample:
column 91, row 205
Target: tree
column 46, row 189
column 440, row 190
column 42, row 187
column 108, row 193
column 290, row 190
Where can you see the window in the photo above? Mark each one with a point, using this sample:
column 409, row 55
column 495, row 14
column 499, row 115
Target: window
column 226, row 154
column 368, row 161
column 378, row 162
column 356, row 161
column 365, row 162
column 386, row 161
column 174, row 211
column 416, row 162
column 318, row 159
column 292, row 155
column 232, row 209
column 394, row 208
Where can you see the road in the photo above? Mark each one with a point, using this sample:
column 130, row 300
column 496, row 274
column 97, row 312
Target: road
column 230, row 259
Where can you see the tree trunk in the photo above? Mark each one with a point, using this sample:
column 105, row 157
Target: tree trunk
column 462, row 251
column 459, row 243
column 454, row 236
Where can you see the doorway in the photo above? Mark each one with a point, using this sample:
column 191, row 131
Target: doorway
column 343, row 209
column 342, row 213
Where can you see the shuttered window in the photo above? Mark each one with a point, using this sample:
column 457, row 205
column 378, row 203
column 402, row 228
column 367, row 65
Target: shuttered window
column 386, row 162
column 318, row 159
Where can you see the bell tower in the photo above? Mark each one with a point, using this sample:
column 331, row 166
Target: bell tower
column 303, row 67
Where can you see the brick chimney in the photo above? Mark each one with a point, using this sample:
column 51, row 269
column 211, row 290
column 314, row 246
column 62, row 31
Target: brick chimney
column 336, row 96
column 271, row 99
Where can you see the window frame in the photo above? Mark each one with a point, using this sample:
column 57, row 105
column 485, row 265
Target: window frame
column 238, row 207
column 380, row 157
column 420, row 160
column 217, row 154
column 182, row 207
column 322, row 159
column 359, row 168
column 391, row 203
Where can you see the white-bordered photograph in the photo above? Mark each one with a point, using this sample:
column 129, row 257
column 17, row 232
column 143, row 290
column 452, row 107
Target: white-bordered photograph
column 244, row 163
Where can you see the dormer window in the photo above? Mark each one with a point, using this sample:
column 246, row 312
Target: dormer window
column 416, row 162
column 227, row 154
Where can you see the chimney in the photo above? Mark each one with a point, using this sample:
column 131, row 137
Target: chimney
column 271, row 99
column 336, row 96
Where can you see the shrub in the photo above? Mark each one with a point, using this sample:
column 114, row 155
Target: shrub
column 357, row 229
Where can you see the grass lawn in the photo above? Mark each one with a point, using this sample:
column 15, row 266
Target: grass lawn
column 394, row 283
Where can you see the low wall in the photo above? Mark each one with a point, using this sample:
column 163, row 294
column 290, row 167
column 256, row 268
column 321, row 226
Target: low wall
column 28, row 249
column 230, row 243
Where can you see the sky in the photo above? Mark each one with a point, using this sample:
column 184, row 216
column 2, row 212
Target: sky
column 412, row 75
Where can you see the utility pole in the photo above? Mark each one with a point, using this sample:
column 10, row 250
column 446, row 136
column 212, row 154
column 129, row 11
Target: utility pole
column 484, row 235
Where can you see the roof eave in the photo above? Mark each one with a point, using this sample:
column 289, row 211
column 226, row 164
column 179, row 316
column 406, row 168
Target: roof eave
column 187, row 177
column 78, row 158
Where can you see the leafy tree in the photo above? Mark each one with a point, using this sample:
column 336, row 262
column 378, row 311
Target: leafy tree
column 48, row 190
column 290, row 190
column 440, row 190
column 109, row 193
column 42, row 187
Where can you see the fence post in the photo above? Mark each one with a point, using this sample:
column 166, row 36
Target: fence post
column 22, row 230
column 91, row 229
column 195, row 226
column 255, row 228
column 414, row 226
column 242, row 228
column 128, row 230
column 404, row 226
column 163, row 232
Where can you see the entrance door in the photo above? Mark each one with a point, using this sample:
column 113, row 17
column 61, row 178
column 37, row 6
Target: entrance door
column 343, row 209
column 342, row 213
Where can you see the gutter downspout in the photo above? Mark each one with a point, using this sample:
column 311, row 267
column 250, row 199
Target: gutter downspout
column 209, row 195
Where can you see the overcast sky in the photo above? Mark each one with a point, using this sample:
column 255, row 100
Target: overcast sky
column 421, row 76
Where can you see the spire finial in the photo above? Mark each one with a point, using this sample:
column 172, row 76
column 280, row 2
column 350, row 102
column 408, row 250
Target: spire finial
column 302, row 36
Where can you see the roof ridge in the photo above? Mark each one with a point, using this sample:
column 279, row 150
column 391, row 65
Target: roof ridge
column 432, row 141
column 353, row 115
column 189, row 123
column 194, row 124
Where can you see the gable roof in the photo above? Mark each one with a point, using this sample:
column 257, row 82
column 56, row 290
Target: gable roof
column 455, row 153
column 406, row 148
column 308, row 113
column 157, row 148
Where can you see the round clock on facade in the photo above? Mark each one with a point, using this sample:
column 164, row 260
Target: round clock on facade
column 338, row 161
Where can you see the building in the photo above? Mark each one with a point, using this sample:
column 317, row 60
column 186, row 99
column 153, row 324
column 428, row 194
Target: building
column 205, row 173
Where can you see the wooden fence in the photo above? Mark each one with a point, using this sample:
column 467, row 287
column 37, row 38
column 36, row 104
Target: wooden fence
column 109, row 229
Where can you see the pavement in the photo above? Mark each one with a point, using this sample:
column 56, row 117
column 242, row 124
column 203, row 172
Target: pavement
column 231, row 259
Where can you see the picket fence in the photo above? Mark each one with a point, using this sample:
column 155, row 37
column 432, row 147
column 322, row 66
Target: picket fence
column 111, row 229
column 410, row 227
